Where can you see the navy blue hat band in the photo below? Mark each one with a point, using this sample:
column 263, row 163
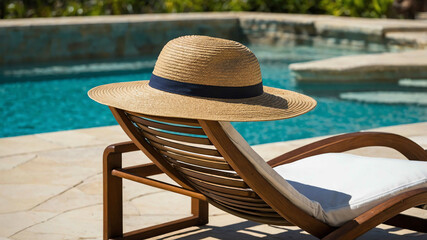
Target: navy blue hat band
column 199, row 90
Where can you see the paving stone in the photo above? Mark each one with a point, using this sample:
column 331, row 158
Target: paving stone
column 25, row 144
column 12, row 223
column 132, row 222
column 365, row 67
column 129, row 209
column 106, row 135
column 45, row 236
column 86, row 158
column 411, row 39
column 91, row 186
column 362, row 28
column 7, row 163
column 133, row 158
column 271, row 150
column 408, row 130
column 416, row 212
column 421, row 140
column 163, row 203
column 112, row 19
column 69, row 138
column 412, row 131
column 21, row 197
column 132, row 190
column 48, row 172
column 71, row 199
column 84, row 223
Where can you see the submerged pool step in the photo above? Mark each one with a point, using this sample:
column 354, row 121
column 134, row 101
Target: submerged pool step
column 419, row 98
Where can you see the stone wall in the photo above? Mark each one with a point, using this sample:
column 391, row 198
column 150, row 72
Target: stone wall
column 277, row 28
column 273, row 28
column 130, row 36
column 113, row 37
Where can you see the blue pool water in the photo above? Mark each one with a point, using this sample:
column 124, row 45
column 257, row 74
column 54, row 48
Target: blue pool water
column 36, row 99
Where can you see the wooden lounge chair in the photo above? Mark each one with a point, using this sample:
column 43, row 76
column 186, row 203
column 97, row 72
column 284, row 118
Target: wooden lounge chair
column 212, row 165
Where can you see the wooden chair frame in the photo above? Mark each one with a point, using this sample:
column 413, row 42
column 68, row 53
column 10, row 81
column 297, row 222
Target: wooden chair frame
column 387, row 212
column 113, row 173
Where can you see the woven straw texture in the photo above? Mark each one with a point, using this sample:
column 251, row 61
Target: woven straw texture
column 207, row 61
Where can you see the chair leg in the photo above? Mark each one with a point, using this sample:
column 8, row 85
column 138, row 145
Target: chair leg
column 113, row 207
column 113, row 197
column 200, row 209
column 408, row 222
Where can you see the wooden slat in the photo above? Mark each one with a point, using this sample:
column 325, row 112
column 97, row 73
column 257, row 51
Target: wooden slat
column 229, row 174
column 265, row 220
column 204, row 151
column 248, row 208
column 179, row 129
column 192, row 155
column 255, row 213
column 188, row 154
column 197, row 161
column 255, row 199
column 198, row 140
column 230, row 182
column 181, row 121
column 261, row 204
column 141, row 142
column 221, row 188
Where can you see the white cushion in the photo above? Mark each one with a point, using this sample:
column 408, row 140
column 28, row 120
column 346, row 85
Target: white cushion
column 311, row 207
column 336, row 187
column 347, row 185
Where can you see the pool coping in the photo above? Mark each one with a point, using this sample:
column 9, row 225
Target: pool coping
column 381, row 67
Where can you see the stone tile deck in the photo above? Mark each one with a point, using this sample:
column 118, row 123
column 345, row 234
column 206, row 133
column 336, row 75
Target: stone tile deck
column 50, row 188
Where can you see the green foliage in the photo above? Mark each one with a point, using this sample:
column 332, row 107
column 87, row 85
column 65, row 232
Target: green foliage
column 357, row 8
column 289, row 6
column 55, row 8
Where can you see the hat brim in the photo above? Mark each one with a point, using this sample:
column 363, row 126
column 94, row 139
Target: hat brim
column 138, row 96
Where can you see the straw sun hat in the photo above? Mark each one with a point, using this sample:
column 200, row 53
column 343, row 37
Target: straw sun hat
column 208, row 78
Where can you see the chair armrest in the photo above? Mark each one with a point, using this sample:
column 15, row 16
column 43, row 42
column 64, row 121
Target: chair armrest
column 122, row 147
column 349, row 141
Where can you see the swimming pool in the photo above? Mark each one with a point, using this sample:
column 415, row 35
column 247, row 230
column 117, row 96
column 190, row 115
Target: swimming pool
column 36, row 99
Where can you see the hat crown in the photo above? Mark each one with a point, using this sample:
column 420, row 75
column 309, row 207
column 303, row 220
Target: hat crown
column 208, row 61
